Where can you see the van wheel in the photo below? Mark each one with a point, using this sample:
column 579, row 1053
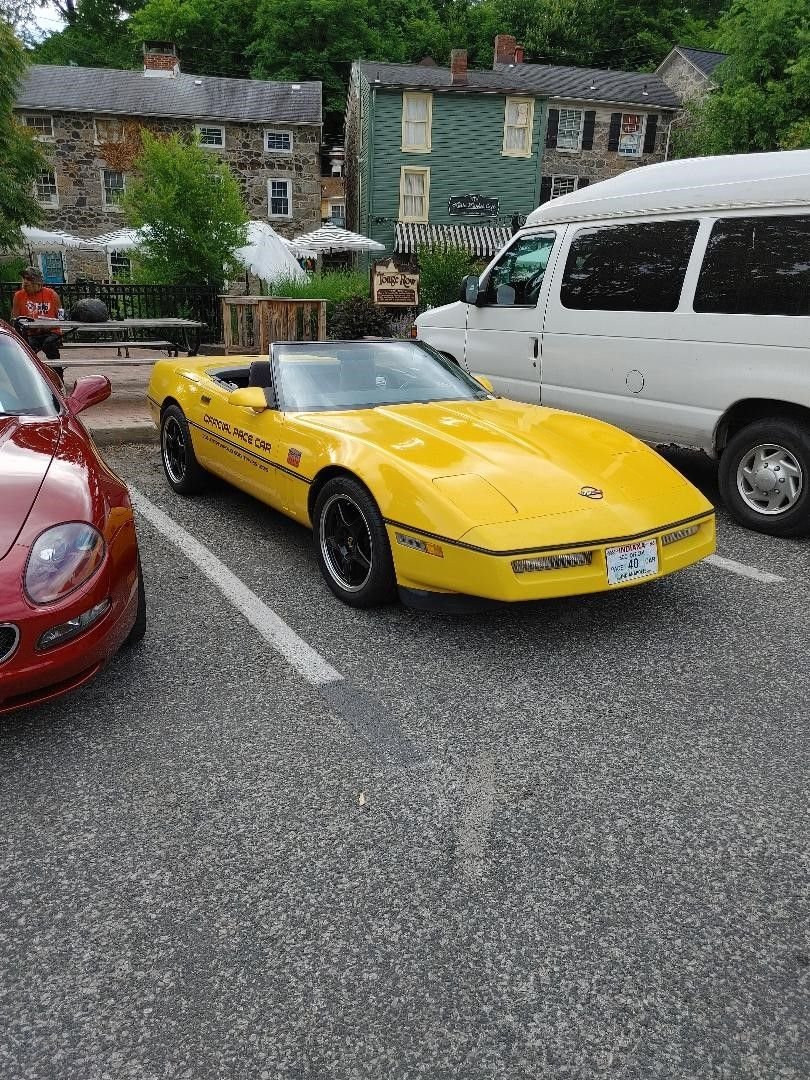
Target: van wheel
column 765, row 477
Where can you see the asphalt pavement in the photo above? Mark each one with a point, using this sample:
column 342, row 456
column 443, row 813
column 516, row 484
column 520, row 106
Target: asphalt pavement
column 560, row 840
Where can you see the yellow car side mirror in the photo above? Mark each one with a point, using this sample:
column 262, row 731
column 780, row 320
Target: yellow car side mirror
column 251, row 397
column 487, row 385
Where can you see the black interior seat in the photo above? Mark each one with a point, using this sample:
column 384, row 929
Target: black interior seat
column 261, row 373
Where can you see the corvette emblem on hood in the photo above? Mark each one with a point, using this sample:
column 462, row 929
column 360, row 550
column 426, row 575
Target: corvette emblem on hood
column 592, row 492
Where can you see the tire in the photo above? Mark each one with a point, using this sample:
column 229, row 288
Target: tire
column 139, row 626
column 184, row 473
column 351, row 544
column 765, row 477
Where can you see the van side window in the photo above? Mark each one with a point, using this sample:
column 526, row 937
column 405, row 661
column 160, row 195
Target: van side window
column 628, row 267
column 756, row 266
column 516, row 278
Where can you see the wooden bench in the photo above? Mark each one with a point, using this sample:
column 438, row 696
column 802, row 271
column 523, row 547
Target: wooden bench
column 169, row 347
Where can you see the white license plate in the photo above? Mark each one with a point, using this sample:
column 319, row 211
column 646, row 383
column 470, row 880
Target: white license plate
column 628, row 562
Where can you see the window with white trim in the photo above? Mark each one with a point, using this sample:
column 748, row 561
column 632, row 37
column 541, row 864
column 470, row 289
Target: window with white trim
column 562, row 185
column 120, row 265
column 113, row 186
column 109, row 130
column 278, row 142
column 517, row 127
column 279, row 198
column 41, row 127
column 45, row 189
column 417, row 120
column 337, row 211
column 631, row 134
column 414, row 194
column 569, row 129
column 210, row 136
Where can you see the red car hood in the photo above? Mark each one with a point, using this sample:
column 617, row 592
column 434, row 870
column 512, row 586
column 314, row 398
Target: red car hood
column 27, row 448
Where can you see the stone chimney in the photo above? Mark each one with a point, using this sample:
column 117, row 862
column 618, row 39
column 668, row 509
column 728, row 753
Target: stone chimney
column 160, row 60
column 505, row 49
column 458, row 66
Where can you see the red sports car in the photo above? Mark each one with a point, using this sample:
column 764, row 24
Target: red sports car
column 70, row 583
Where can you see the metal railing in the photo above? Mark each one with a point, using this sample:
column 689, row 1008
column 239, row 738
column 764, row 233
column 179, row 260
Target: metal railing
column 140, row 302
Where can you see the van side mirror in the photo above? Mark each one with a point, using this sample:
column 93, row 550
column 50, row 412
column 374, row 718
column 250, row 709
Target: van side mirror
column 470, row 289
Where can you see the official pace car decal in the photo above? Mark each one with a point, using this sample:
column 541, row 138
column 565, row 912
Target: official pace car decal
column 221, row 428
column 294, row 457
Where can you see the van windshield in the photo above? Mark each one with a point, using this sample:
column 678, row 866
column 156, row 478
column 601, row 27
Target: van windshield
column 516, row 278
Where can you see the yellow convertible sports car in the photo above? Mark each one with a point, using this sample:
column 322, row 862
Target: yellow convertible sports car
column 412, row 474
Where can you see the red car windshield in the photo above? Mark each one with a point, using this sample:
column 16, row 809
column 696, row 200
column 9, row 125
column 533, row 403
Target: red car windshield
column 23, row 391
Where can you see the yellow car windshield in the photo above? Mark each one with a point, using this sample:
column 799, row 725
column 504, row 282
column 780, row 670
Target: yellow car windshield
column 340, row 375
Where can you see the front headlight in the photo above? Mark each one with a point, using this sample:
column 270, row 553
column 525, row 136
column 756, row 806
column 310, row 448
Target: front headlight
column 62, row 559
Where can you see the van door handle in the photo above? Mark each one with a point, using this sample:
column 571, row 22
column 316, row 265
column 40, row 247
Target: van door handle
column 535, row 350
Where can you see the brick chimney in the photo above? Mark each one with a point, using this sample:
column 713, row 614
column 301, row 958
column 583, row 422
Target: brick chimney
column 505, row 49
column 160, row 60
column 458, row 66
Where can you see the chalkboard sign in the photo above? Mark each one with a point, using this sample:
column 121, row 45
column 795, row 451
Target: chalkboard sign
column 480, row 205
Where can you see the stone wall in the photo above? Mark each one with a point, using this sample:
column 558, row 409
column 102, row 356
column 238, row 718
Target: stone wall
column 601, row 163
column 79, row 163
column 683, row 78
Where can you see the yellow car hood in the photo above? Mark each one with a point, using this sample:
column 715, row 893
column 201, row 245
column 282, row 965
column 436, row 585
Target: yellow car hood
column 499, row 461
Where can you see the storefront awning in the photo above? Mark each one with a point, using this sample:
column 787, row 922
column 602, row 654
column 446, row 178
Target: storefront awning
column 480, row 240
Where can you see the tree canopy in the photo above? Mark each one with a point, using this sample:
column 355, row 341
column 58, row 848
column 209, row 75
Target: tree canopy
column 190, row 208
column 763, row 96
column 21, row 157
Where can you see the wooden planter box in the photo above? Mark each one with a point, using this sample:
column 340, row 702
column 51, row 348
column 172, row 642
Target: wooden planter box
column 251, row 323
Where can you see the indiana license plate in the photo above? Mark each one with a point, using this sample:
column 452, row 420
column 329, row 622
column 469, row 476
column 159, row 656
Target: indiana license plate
column 628, row 562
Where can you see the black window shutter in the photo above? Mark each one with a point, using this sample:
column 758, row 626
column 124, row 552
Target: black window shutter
column 587, row 130
column 553, row 124
column 649, row 134
column 613, row 133
column 545, row 188
column 582, row 182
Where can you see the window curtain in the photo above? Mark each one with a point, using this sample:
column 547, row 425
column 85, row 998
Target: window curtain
column 416, row 116
column 414, row 191
column 517, row 125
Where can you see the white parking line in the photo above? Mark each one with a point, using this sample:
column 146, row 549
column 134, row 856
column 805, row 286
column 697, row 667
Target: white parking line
column 751, row 572
column 308, row 663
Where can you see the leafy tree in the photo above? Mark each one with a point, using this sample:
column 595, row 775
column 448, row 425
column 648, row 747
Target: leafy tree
column 190, row 207
column 21, row 157
column 98, row 34
column 212, row 35
column 442, row 273
column 763, row 96
column 312, row 39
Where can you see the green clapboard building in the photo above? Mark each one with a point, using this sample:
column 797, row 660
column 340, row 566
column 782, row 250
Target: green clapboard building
column 441, row 156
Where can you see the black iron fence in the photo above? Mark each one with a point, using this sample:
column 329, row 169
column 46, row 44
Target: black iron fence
column 142, row 302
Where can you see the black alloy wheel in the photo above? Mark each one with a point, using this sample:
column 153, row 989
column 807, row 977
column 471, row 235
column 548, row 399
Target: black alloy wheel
column 351, row 544
column 185, row 474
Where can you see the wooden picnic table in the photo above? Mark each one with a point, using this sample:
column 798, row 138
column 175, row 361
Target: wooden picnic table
column 190, row 329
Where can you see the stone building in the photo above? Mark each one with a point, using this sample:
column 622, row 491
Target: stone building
column 439, row 155
column 90, row 119
column 689, row 72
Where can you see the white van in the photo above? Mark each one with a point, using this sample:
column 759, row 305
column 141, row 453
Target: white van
column 673, row 301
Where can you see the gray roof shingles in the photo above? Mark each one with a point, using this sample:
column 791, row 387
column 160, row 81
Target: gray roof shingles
column 193, row 97
column 704, row 60
column 544, row 80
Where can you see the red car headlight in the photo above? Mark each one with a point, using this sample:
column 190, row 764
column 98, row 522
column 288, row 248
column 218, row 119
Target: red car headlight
column 61, row 559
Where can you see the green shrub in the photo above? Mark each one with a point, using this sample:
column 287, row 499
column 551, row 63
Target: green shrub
column 356, row 318
column 331, row 285
column 11, row 269
column 441, row 274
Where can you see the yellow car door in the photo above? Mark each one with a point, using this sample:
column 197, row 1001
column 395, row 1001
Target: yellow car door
column 236, row 441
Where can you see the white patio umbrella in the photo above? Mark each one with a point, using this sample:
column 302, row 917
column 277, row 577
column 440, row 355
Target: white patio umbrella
column 330, row 238
column 301, row 251
column 119, row 240
column 267, row 256
column 46, row 238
